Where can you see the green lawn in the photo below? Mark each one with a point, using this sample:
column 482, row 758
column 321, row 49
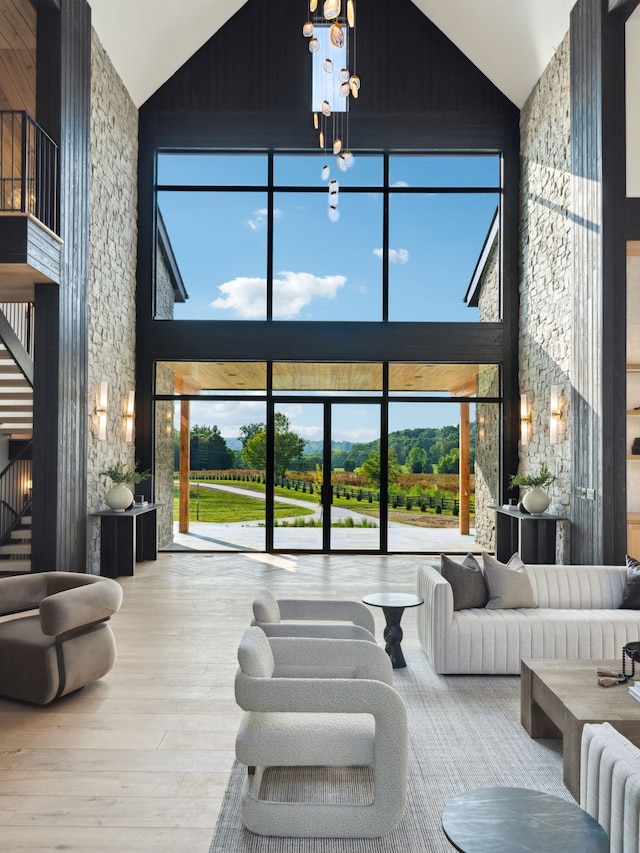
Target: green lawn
column 372, row 509
column 226, row 507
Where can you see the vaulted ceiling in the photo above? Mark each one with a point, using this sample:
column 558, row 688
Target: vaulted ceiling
column 510, row 41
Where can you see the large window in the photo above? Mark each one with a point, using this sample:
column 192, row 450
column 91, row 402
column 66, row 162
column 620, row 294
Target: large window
column 327, row 456
column 250, row 236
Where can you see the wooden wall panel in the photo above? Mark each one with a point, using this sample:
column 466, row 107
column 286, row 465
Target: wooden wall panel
column 249, row 88
column 475, row 343
column 60, row 398
column 259, row 63
column 633, row 219
column 598, row 505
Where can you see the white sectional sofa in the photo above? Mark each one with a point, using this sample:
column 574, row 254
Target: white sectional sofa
column 577, row 617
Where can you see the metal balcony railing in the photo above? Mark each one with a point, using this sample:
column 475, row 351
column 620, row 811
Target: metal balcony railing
column 28, row 168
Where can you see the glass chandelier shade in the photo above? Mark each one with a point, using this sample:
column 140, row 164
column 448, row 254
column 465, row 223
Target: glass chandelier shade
column 330, row 28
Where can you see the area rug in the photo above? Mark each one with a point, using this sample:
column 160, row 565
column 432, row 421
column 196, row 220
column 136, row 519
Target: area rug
column 464, row 733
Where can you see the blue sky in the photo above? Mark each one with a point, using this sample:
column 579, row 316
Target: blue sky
column 353, row 422
column 325, row 270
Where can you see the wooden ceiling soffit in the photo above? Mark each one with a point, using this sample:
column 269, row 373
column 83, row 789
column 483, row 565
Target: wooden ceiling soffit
column 456, row 379
column 17, row 55
column 193, row 377
column 302, row 376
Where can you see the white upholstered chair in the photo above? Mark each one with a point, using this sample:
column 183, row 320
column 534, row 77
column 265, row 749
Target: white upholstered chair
column 352, row 721
column 610, row 785
column 307, row 617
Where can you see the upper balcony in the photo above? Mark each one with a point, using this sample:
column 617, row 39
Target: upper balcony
column 29, row 241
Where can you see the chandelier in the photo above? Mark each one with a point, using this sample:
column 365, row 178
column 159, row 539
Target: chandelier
column 331, row 34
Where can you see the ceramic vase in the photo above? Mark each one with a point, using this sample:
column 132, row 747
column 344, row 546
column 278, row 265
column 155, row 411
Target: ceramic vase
column 118, row 497
column 536, row 501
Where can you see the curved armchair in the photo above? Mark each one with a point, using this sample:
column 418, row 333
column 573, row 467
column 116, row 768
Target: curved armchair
column 54, row 637
column 298, row 722
column 308, row 617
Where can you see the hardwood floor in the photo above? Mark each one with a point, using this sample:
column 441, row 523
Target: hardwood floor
column 139, row 760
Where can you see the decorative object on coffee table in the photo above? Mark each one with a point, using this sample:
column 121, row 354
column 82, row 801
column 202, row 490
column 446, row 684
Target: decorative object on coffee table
column 393, row 605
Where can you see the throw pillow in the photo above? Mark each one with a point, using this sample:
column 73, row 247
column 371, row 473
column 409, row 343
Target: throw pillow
column 509, row 585
column 467, row 581
column 631, row 591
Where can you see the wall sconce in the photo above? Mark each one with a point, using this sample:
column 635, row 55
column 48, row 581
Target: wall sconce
column 101, row 411
column 556, row 414
column 525, row 420
column 28, row 486
column 481, row 429
column 128, row 417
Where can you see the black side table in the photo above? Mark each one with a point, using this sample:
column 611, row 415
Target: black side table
column 393, row 605
column 532, row 536
column 127, row 538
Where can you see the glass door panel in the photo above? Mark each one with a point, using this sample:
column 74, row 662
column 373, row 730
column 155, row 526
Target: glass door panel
column 355, row 477
column 298, row 467
column 432, row 449
column 212, row 493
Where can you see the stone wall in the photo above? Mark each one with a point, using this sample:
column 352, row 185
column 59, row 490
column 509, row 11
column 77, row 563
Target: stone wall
column 487, row 465
column 546, row 277
column 112, row 276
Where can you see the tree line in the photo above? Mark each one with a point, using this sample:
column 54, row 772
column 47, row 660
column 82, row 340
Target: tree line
column 420, row 451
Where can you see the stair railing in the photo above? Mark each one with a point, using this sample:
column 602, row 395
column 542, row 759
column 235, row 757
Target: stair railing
column 20, row 316
column 15, row 492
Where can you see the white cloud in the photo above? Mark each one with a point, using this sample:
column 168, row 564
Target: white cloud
column 357, row 435
column 400, row 184
column 396, row 256
column 260, row 218
column 292, row 291
column 244, row 296
column 227, row 416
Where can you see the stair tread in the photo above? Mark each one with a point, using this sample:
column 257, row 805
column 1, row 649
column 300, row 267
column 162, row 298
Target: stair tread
column 15, row 549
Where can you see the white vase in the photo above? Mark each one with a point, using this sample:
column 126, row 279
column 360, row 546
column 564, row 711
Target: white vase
column 536, row 501
column 118, row 497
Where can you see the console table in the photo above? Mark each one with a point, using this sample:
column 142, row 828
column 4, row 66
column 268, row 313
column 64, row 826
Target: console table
column 127, row 538
column 532, row 536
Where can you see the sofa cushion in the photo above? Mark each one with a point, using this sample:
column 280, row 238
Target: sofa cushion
column 509, row 585
column 467, row 581
column 631, row 591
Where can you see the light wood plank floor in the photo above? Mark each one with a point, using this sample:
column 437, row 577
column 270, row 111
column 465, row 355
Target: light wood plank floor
column 139, row 760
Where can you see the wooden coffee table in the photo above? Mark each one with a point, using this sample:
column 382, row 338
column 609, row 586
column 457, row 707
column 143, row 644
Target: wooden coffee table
column 557, row 697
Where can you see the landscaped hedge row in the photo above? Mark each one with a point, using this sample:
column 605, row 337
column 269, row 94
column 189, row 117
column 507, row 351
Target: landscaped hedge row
column 395, row 501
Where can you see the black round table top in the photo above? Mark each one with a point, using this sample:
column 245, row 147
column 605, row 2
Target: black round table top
column 514, row 820
column 392, row 599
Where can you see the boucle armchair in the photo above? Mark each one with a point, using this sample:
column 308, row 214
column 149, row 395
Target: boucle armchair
column 307, row 617
column 318, row 722
column 54, row 636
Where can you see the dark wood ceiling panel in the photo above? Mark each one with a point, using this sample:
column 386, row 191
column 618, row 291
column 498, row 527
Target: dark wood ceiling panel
column 17, row 55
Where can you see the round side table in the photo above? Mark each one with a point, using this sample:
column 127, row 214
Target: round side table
column 503, row 820
column 393, row 606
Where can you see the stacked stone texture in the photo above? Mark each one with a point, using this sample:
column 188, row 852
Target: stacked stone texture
column 112, row 276
column 488, row 415
column 546, row 276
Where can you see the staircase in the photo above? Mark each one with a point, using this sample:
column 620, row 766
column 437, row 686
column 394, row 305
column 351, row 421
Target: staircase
column 16, row 423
